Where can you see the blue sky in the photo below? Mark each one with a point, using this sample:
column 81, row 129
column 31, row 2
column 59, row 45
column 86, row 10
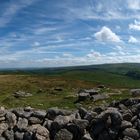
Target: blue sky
column 52, row 33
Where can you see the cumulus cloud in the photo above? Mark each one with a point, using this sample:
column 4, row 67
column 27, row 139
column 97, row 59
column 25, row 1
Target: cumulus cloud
column 135, row 25
column 106, row 34
column 132, row 39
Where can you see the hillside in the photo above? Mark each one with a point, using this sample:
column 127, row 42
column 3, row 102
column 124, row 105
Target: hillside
column 59, row 86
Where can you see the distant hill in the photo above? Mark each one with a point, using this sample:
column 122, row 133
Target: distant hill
column 119, row 68
column 117, row 75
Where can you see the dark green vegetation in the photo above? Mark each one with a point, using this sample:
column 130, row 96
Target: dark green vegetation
column 43, row 84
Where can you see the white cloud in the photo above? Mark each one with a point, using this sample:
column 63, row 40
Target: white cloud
column 120, row 48
column 135, row 25
column 67, row 55
column 94, row 54
column 134, row 4
column 132, row 39
column 105, row 34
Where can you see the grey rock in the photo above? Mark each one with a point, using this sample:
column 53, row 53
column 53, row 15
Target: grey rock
column 90, row 116
column 63, row 134
column 39, row 137
column 2, row 119
column 39, row 114
column 132, row 133
column 19, row 112
column 135, row 92
column 40, row 130
column 62, row 120
column 82, row 112
column 83, row 96
column 21, row 94
column 22, row 123
column 86, row 137
column 9, row 135
column 2, row 113
column 28, row 136
column 81, row 123
column 11, row 119
column 2, row 138
column 47, row 124
column 3, row 127
column 127, row 116
column 77, row 132
column 53, row 112
column 18, row 135
column 126, row 124
column 34, row 120
column 127, row 138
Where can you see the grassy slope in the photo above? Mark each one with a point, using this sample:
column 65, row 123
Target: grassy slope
column 70, row 79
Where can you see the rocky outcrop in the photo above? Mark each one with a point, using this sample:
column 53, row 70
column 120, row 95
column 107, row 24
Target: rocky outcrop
column 21, row 94
column 91, row 94
column 118, row 121
column 135, row 92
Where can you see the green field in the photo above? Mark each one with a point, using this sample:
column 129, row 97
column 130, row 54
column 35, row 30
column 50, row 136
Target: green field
column 42, row 83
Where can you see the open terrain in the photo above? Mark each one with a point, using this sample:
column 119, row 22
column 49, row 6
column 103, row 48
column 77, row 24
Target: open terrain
column 59, row 86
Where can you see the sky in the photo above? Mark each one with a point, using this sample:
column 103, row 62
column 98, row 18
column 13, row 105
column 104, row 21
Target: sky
column 53, row 33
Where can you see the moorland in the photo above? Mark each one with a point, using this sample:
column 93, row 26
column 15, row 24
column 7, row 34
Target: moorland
column 59, row 86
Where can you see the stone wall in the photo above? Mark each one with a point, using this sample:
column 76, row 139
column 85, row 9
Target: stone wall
column 119, row 121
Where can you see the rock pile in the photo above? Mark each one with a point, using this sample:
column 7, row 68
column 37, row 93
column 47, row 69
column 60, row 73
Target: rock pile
column 119, row 121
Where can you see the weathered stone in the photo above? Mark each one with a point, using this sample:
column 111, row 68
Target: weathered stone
column 28, row 136
column 90, row 116
column 63, row 134
column 127, row 138
column 18, row 135
column 47, row 124
column 11, row 119
column 127, row 116
column 53, row 112
column 2, row 112
column 39, row 114
column 2, row 119
column 2, row 138
column 60, row 121
column 22, row 123
column 9, row 135
column 86, row 137
column 81, row 123
column 3, row 127
column 19, row 112
column 135, row 92
column 40, row 130
column 34, row 120
column 77, row 132
column 126, row 124
column 21, row 94
column 82, row 112
column 39, row 137
column 132, row 133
